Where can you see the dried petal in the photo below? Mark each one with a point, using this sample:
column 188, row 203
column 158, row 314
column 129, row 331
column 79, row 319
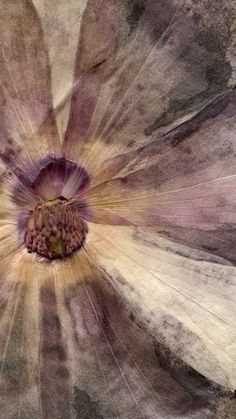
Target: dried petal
column 187, row 305
column 27, row 121
column 171, row 59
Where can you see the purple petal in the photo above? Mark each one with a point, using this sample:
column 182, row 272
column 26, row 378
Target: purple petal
column 96, row 45
column 171, row 60
column 27, row 121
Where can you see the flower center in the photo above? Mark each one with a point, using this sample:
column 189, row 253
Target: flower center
column 55, row 229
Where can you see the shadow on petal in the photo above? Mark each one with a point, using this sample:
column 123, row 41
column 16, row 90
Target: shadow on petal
column 188, row 305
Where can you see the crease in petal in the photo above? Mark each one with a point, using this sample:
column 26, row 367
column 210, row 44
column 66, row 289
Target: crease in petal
column 116, row 358
column 81, row 350
column 186, row 304
column 20, row 343
column 61, row 24
column 97, row 42
column 183, row 183
column 136, row 104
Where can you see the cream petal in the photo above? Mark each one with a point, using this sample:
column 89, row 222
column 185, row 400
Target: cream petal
column 61, row 25
column 171, row 59
column 20, row 343
column 188, row 305
column 13, row 209
column 69, row 344
column 96, row 361
column 27, row 122
column 16, row 205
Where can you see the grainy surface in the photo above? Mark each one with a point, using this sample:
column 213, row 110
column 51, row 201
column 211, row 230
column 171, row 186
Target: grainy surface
column 133, row 105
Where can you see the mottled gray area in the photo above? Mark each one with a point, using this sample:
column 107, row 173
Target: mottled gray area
column 84, row 407
column 153, row 87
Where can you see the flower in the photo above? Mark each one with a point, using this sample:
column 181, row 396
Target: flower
column 117, row 209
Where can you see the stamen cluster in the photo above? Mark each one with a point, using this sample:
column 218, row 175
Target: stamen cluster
column 55, row 229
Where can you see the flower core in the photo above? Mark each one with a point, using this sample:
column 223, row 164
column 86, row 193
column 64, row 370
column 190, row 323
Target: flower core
column 55, row 229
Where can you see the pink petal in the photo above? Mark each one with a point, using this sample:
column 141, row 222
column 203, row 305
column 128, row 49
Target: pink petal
column 184, row 183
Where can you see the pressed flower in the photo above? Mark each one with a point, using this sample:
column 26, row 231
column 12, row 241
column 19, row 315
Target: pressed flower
column 117, row 211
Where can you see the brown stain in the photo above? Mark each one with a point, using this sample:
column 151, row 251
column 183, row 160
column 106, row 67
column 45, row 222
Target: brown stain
column 54, row 374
